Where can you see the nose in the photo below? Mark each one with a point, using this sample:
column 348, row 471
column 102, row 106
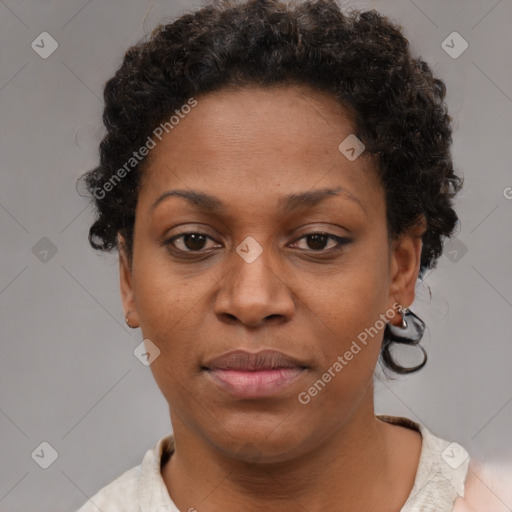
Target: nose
column 254, row 293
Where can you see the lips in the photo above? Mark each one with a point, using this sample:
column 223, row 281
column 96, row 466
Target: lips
column 246, row 361
column 248, row 375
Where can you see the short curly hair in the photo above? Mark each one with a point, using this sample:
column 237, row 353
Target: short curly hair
column 361, row 58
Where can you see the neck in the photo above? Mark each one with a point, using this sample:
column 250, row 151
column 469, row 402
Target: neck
column 358, row 454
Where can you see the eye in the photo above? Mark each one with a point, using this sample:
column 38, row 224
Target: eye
column 195, row 242
column 190, row 242
column 319, row 239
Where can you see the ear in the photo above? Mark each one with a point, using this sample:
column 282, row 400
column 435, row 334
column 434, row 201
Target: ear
column 126, row 284
column 405, row 264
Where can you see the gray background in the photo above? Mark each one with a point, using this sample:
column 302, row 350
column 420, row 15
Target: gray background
column 68, row 375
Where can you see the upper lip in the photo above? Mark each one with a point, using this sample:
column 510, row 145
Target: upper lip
column 263, row 360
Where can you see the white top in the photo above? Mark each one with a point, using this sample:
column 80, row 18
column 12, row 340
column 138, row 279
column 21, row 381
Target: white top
column 440, row 478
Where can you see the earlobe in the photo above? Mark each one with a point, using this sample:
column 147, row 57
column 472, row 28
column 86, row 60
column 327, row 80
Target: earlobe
column 126, row 285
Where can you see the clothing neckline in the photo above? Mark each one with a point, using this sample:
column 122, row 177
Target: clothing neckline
column 430, row 463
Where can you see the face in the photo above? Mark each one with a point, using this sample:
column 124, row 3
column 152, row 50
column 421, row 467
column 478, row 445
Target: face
column 289, row 252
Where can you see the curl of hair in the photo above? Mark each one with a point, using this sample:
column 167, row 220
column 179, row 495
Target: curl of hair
column 360, row 57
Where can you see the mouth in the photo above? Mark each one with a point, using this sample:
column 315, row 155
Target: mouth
column 254, row 375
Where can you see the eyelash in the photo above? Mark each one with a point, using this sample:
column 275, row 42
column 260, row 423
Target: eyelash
column 341, row 241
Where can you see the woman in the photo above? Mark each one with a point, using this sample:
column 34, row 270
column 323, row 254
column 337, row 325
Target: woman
column 276, row 178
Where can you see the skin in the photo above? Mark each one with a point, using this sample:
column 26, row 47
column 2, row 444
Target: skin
column 250, row 147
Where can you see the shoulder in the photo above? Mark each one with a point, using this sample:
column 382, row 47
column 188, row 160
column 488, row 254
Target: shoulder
column 441, row 473
column 120, row 494
column 138, row 487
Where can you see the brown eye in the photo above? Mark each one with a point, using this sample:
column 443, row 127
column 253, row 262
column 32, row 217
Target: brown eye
column 195, row 242
column 190, row 242
column 317, row 241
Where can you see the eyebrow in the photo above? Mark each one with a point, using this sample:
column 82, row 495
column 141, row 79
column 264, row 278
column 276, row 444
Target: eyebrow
column 291, row 202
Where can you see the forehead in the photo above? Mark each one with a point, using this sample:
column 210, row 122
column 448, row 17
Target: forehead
column 258, row 142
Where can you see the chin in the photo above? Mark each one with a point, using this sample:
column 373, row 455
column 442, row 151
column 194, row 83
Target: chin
column 261, row 441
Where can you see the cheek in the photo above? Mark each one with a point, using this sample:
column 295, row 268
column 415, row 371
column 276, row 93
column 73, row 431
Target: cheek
column 173, row 307
column 349, row 362
column 166, row 301
column 349, row 311
column 347, row 302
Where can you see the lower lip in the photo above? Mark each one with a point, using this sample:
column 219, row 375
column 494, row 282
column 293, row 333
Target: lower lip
column 255, row 384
